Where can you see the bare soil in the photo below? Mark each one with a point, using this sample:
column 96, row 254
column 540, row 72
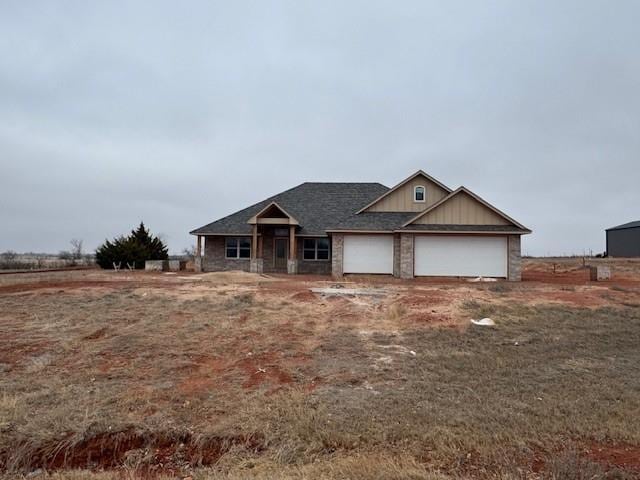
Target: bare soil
column 236, row 375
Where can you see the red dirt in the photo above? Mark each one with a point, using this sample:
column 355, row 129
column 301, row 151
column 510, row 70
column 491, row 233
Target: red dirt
column 13, row 352
column 429, row 318
column 100, row 333
column 304, row 296
column 261, row 369
column 580, row 299
column 622, row 455
column 134, row 281
column 172, row 451
column 425, row 298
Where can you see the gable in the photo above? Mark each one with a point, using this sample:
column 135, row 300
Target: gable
column 461, row 208
column 272, row 211
column 400, row 198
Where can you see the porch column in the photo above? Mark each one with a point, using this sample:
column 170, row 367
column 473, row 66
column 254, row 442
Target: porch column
column 254, row 242
column 198, row 257
column 255, row 264
column 292, row 262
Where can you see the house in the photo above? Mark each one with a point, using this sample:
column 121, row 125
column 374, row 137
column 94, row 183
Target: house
column 420, row 227
column 624, row 240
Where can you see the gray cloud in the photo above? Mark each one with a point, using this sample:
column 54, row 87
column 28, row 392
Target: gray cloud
column 113, row 112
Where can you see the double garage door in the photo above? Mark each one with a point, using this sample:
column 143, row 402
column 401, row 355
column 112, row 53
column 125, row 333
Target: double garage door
column 434, row 255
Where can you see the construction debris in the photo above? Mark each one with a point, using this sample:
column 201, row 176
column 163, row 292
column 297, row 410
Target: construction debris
column 374, row 292
column 484, row 322
column 482, row 279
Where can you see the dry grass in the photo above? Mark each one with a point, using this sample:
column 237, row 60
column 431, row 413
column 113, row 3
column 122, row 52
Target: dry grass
column 269, row 381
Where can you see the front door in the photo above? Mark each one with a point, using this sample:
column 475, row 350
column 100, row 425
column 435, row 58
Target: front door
column 280, row 253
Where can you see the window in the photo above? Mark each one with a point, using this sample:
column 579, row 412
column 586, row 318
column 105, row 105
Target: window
column 315, row 249
column 418, row 194
column 238, row 247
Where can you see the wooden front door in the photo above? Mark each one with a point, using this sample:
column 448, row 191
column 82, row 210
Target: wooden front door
column 280, row 253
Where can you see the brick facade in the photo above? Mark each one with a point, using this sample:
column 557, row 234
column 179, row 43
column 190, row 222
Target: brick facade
column 214, row 257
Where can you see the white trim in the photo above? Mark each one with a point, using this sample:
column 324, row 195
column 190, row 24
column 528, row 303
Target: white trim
column 225, row 234
column 360, row 231
column 424, row 194
column 462, row 232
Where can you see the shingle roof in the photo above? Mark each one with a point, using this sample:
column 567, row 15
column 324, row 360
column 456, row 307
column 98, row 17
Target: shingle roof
column 373, row 221
column 626, row 225
column 316, row 206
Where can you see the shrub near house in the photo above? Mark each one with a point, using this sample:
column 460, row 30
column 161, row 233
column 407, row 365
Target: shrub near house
column 132, row 250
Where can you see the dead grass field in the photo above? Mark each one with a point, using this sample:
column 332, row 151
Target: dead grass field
column 234, row 376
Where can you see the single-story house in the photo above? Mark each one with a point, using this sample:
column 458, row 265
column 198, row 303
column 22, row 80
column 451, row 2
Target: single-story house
column 624, row 240
column 420, row 227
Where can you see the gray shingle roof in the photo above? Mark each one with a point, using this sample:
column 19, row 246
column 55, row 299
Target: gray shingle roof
column 316, row 206
column 626, row 225
column 374, row 221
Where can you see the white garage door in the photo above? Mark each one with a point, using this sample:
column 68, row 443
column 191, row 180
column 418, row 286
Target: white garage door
column 368, row 254
column 461, row 256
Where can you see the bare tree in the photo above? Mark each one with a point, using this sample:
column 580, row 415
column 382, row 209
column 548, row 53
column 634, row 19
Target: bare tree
column 9, row 256
column 74, row 255
column 189, row 251
column 76, row 248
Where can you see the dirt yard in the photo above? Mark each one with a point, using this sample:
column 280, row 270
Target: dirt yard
column 109, row 375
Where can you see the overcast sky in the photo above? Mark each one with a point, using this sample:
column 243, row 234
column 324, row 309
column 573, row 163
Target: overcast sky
column 178, row 113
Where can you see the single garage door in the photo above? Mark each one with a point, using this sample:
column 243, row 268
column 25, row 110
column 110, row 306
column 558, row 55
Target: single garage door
column 368, row 254
column 461, row 256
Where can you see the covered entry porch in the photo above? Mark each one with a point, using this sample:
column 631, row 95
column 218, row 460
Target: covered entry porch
column 273, row 241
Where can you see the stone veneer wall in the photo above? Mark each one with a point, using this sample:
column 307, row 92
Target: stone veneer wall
column 396, row 255
column 406, row 255
column 515, row 259
column 337, row 252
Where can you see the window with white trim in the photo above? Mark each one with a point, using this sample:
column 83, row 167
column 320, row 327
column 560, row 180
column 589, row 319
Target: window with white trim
column 315, row 249
column 237, row 247
column 419, row 194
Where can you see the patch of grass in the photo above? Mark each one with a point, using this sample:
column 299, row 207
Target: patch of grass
column 617, row 288
column 500, row 287
column 316, row 389
column 240, row 302
column 396, row 311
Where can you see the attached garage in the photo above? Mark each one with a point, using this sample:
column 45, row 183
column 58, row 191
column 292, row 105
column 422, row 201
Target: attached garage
column 368, row 254
column 461, row 256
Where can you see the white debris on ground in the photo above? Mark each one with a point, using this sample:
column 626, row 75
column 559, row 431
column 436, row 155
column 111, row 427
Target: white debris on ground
column 484, row 322
column 374, row 292
column 482, row 279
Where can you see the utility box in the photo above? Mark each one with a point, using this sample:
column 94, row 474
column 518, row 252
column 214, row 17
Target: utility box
column 600, row 273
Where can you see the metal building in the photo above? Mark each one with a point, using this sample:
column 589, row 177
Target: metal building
column 624, row 240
